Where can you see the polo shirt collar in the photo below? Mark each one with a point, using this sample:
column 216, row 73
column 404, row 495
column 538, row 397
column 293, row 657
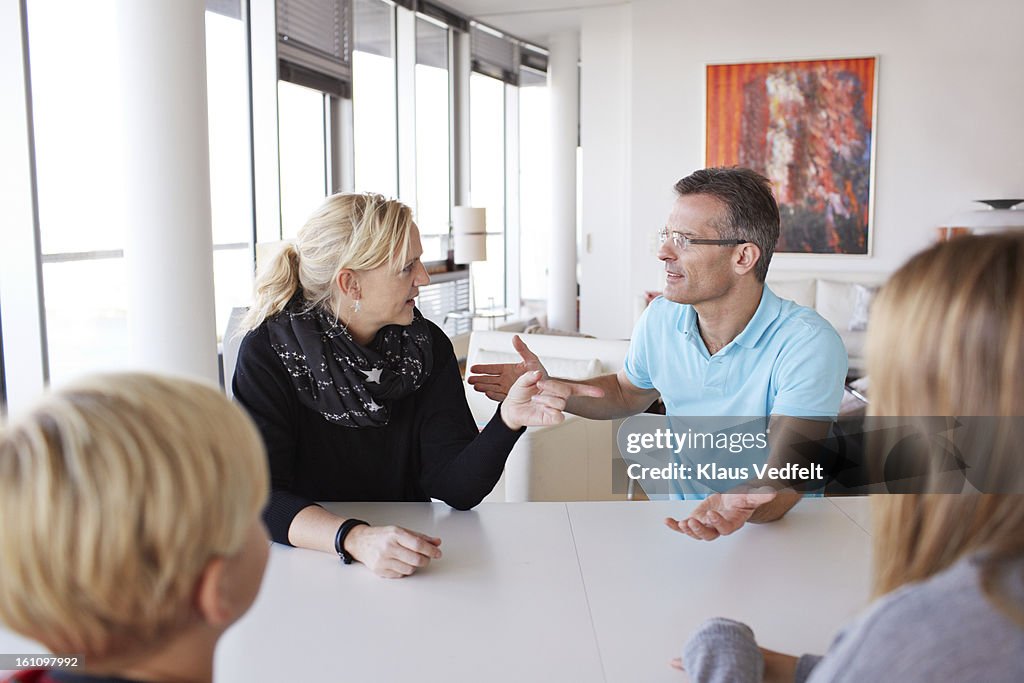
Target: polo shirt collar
column 766, row 313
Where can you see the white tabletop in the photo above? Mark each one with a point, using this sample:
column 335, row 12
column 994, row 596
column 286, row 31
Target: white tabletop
column 856, row 508
column 547, row 592
column 794, row 582
column 505, row 603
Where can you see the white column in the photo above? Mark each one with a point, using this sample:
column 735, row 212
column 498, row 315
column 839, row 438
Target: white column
column 563, row 81
column 606, row 303
column 168, row 248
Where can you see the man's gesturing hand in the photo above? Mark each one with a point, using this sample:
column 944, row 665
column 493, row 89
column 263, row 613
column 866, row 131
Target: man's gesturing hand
column 495, row 379
column 720, row 514
column 392, row 551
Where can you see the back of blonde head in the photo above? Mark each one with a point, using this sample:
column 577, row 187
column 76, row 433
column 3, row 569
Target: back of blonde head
column 115, row 493
column 354, row 231
column 947, row 339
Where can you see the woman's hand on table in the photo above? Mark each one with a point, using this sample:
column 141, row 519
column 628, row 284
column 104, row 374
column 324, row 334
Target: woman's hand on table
column 536, row 400
column 392, row 552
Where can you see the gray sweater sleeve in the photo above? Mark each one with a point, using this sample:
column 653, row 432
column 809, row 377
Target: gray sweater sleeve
column 723, row 651
column 804, row 666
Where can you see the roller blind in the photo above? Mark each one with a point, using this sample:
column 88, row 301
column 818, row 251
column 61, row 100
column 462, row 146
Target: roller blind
column 533, row 63
column 431, row 44
column 494, row 55
column 314, row 43
column 229, row 8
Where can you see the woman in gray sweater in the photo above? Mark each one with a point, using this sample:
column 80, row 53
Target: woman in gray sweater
column 946, row 339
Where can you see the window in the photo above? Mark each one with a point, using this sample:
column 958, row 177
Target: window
column 79, row 147
column 534, row 184
column 487, row 183
column 304, row 153
column 230, row 170
column 433, row 149
column 374, row 98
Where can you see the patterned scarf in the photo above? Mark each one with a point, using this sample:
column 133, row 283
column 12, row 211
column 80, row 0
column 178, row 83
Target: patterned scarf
column 349, row 384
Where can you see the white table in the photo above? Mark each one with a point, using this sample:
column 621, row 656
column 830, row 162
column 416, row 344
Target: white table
column 795, row 581
column 547, row 592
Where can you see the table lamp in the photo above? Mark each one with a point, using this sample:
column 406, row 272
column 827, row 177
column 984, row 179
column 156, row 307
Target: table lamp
column 469, row 227
column 1000, row 217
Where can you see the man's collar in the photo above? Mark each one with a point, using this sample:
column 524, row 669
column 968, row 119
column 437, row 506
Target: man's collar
column 766, row 313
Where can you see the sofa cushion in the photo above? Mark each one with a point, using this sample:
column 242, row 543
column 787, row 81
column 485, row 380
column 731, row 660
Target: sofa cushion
column 800, row 291
column 863, row 297
column 554, row 331
column 567, row 368
column 835, row 302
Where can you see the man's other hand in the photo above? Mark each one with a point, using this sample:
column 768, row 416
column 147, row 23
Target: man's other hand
column 495, row 379
column 720, row 514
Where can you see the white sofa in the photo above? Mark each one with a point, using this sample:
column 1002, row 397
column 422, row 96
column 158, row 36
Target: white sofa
column 569, row 461
column 833, row 295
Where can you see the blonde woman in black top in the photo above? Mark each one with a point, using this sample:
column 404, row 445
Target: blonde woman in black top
column 358, row 397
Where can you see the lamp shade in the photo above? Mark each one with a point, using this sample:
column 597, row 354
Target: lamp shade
column 469, row 226
column 995, row 219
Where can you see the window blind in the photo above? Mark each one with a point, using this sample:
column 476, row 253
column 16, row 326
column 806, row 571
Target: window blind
column 431, row 44
column 439, row 298
column 494, row 55
column 229, row 8
column 314, row 43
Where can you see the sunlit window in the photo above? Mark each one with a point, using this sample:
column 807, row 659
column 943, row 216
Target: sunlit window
column 487, row 182
column 230, row 175
column 79, row 148
column 79, row 176
column 303, row 153
column 373, row 98
column 432, row 139
column 534, row 188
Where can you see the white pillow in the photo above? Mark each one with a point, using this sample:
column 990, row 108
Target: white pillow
column 863, row 296
column 566, row 368
column 799, row 291
column 834, row 302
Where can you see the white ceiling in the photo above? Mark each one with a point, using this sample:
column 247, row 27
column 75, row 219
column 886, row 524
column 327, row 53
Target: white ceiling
column 531, row 20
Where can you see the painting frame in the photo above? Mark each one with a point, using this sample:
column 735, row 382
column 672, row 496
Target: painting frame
column 829, row 220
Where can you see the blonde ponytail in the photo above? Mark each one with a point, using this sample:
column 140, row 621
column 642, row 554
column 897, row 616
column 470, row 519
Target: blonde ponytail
column 275, row 286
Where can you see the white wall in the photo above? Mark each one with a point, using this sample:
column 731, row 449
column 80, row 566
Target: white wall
column 605, row 303
column 950, row 103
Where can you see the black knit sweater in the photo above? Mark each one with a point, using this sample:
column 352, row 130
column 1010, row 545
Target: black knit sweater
column 430, row 448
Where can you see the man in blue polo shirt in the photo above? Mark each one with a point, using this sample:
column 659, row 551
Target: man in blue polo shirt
column 718, row 342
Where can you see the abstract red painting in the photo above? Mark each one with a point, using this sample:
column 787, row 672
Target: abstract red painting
column 808, row 126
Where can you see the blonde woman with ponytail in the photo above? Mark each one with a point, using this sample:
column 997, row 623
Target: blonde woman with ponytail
column 358, row 397
column 946, row 339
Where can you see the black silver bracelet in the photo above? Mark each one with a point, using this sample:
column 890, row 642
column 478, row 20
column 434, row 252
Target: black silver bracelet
column 339, row 538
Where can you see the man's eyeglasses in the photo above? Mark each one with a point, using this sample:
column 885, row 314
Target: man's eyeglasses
column 683, row 242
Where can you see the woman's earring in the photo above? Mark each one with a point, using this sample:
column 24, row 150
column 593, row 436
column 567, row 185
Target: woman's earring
column 356, row 305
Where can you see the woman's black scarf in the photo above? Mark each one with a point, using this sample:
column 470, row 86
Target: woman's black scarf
column 349, row 384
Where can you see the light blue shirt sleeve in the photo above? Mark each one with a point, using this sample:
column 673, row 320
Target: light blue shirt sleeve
column 811, row 374
column 636, row 363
